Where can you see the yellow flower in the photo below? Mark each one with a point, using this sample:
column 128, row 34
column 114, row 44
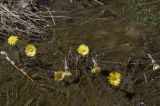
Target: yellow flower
column 30, row 50
column 114, row 78
column 59, row 75
column 12, row 40
column 83, row 50
column 96, row 69
column 67, row 73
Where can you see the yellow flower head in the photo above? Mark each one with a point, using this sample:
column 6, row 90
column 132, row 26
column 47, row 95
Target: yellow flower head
column 59, row 75
column 114, row 78
column 83, row 50
column 67, row 73
column 96, row 69
column 12, row 40
column 30, row 50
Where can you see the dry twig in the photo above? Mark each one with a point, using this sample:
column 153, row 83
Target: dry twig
column 12, row 63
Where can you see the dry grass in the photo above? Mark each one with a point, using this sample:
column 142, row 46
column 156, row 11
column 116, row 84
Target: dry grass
column 14, row 20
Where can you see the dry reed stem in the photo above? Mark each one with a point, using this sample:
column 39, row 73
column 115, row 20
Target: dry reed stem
column 12, row 63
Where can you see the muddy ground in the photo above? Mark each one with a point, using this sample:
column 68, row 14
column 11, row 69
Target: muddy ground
column 119, row 34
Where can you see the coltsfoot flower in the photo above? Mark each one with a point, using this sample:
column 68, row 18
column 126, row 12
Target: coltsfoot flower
column 67, row 73
column 156, row 67
column 12, row 40
column 96, row 69
column 83, row 49
column 59, row 75
column 30, row 50
column 114, row 78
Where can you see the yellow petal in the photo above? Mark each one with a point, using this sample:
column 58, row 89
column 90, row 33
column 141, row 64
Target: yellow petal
column 12, row 40
column 83, row 50
column 30, row 50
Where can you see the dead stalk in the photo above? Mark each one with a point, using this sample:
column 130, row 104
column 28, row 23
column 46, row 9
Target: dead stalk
column 12, row 63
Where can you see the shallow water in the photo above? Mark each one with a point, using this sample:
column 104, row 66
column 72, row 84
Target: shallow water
column 114, row 39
